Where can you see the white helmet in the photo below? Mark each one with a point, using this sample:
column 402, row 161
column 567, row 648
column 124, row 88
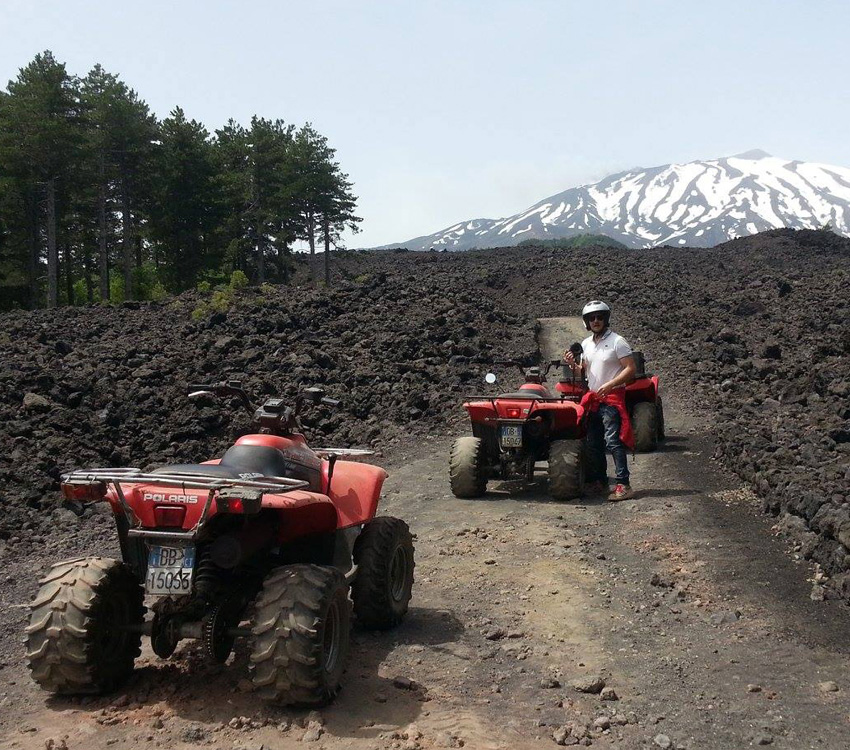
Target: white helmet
column 595, row 306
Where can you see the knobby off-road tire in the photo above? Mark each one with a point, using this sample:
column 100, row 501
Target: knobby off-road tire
column 659, row 419
column 381, row 591
column 645, row 426
column 467, row 467
column 566, row 469
column 300, row 628
column 85, row 623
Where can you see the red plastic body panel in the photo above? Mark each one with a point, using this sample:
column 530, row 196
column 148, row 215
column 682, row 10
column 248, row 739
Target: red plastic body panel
column 565, row 415
column 355, row 489
column 306, row 512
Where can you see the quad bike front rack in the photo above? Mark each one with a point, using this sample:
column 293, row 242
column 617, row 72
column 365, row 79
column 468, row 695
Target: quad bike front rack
column 222, row 487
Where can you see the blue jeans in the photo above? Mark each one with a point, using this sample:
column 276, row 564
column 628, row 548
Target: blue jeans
column 603, row 431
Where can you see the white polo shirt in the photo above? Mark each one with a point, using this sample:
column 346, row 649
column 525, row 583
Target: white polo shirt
column 602, row 358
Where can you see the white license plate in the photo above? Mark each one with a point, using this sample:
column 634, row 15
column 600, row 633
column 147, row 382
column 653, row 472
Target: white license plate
column 170, row 570
column 510, row 435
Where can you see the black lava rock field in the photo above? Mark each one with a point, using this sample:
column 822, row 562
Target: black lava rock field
column 753, row 335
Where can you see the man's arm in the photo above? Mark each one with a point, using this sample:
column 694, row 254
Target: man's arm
column 624, row 377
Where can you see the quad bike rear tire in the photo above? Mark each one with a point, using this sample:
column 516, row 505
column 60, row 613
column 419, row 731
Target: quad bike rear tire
column 300, row 638
column 382, row 588
column 84, row 630
column 659, row 419
column 467, row 467
column 645, row 426
column 566, row 469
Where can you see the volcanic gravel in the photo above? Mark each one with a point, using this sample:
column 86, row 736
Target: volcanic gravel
column 752, row 334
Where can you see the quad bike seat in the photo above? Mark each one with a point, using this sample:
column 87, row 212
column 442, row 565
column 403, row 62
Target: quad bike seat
column 257, row 460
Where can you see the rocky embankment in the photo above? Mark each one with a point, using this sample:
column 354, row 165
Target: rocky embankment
column 753, row 333
column 107, row 386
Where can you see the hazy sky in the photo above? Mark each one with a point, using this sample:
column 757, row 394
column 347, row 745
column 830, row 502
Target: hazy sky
column 443, row 111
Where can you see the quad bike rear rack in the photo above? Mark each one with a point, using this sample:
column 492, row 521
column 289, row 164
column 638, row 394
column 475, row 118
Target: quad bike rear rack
column 223, row 487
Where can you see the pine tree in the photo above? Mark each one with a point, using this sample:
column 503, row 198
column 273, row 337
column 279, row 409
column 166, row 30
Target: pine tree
column 186, row 212
column 121, row 137
column 40, row 140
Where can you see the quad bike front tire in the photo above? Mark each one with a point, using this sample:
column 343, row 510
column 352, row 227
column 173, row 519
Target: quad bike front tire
column 84, row 630
column 300, row 635
column 382, row 588
column 467, row 467
column 566, row 469
column 659, row 419
column 645, row 426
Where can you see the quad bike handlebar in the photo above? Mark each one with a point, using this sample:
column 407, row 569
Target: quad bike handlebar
column 523, row 365
column 273, row 416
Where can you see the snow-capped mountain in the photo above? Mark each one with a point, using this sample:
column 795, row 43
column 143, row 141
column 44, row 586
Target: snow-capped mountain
column 699, row 204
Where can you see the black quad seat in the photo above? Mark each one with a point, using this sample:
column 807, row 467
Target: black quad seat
column 530, row 395
column 200, row 470
column 239, row 462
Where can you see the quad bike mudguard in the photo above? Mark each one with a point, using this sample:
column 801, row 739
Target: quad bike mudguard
column 354, row 489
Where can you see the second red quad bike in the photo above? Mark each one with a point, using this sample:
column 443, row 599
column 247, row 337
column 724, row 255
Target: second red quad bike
column 512, row 432
column 265, row 543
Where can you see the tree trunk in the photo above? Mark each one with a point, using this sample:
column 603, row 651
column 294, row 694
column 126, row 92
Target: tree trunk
column 87, row 264
column 69, row 276
column 326, row 228
column 103, row 251
column 137, row 242
column 261, row 260
column 311, row 234
column 281, row 264
column 311, row 238
column 34, row 260
column 127, row 240
column 52, row 254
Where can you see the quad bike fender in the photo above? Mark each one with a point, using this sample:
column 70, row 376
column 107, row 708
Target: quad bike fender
column 564, row 415
column 354, row 489
column 642, row 389
column 480, row 411
column 303, row 513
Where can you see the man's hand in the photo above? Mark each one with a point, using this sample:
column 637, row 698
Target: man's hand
column 569, row 358
column 604, row 389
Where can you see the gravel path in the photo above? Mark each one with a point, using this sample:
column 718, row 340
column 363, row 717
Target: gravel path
column 680, row 601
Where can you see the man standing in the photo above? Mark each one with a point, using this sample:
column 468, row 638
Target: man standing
column 608, row 364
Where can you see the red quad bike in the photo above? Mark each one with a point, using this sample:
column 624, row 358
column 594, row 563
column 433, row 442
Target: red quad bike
column 265, row 544
column 513, row 431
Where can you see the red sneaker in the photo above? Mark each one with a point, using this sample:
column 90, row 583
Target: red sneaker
column 621, row 492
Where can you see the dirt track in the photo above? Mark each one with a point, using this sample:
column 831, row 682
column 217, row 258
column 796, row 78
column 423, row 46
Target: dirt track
column 681, row 599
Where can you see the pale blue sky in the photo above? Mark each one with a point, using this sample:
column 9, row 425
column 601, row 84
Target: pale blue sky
column 443, row 111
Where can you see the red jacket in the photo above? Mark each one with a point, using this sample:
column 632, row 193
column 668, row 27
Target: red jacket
column 617, row 397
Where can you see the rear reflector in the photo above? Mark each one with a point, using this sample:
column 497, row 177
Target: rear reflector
column 84, row 492
column 229, row 505
column 513, row 413
column 169, row 515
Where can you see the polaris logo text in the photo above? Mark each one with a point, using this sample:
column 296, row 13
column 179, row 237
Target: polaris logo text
column 156, row 497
